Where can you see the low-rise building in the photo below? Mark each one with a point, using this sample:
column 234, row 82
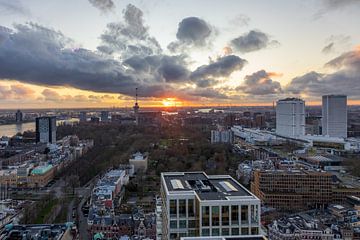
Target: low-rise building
column 139, row 161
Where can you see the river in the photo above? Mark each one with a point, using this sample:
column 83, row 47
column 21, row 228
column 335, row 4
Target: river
column 13, row 129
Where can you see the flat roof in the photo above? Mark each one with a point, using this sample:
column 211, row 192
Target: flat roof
column 212, row 187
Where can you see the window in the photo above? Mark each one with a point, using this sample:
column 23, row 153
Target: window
column 244, row 231
column 182, row 208
column 215, row 232
column 225, row 215
column 173, row 224
column 173, row 236
column 192, row 233
column 205, row 215
column 254, row 231
column 244, row 214
column 192, row 224
column 182, row 224
column 173, row 211
column 225, row 232
column 205, row 232
column 191, row 209
column 235, row 215
column 234, row 231
column 215, row 216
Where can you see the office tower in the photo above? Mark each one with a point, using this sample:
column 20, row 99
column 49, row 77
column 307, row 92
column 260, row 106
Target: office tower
column 83, row 116
column 104, row 116
column 290, row 117
column 19, row 116
column 293, row 190
column 196, row 204
column 46, row 129
column 334, row 116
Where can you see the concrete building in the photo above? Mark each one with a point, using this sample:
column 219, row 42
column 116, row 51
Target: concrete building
column 290, row 117
column 139, row 161
column 198, row 205
column 293, row 190
column 46, row 129
column 83, row 116
column 222, row 136
column 18, row 116
column 334, row 116
column 104, row 116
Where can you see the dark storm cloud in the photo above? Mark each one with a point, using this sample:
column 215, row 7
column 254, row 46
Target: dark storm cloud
column 260, row 83
column 252, row 41
column 129, row 37
column 222, row 67
column 103, row 5
column 13, row 7
column 162, row 67
column 192, row 31
column 38, row 55
column 344, row 80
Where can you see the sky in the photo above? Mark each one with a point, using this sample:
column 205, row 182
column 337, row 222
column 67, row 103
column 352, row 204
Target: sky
column 95, row 53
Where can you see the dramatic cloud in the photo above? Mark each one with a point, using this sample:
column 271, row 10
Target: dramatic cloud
column 13, row 7
column 252, row 41
column 260, row 83
column 220, row 68
column 38, row 55
column 192, row 32
column 344, row 80
column 16, row 91
column 103, row 5
column 130, row 37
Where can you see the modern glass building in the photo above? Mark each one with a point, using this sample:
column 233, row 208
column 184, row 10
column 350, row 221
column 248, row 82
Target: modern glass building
column 196, row 204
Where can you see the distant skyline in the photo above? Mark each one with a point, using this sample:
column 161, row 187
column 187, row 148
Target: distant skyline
column 94, row 53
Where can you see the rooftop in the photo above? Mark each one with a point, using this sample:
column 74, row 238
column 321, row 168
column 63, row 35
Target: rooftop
column 213, row 187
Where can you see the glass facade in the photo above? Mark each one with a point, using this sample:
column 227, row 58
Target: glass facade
column 244, row 214
column 215, row 216
column 234, row 215
column 225, row 215
column 206, row 216
column 182, row 208
column 173, row 210
column 191, row 208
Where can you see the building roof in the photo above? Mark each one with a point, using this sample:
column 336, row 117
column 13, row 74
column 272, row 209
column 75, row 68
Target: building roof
column 39, row 170
column 213, row 187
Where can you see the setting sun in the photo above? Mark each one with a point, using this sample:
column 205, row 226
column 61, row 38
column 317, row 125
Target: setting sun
column 170, row 102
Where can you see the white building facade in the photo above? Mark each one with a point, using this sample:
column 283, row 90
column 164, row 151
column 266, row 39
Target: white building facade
column 334, row 116
column 290, row 117
column 195, row 204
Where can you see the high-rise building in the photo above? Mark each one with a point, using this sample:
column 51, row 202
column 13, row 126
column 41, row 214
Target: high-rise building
column 196, row 204
column 83, row 116
column 19, row 116
column 290, row 117
column 104, row 116
column 46, row 129
column 334, row 116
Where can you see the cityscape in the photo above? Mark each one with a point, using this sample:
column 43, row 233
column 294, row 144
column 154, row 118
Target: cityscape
column 130, row 130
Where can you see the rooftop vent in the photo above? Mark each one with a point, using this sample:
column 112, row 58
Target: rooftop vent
column 228, row 186
column 176, row 184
